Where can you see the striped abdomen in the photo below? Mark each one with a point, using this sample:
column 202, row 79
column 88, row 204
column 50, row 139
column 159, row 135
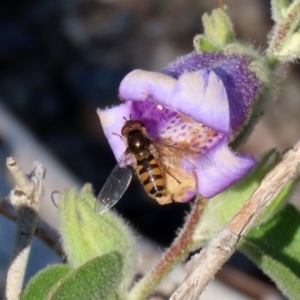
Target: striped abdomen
column 151, row 176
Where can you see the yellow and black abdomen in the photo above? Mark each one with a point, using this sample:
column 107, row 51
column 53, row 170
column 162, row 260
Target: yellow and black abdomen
column 151, row 175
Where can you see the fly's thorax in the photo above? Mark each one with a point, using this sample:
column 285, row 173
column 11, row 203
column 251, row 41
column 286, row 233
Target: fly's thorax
column 137, row 142
column 143, row 156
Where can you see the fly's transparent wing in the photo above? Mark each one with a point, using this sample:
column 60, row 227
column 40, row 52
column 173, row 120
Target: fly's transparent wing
column 114, row 188
column 181, row 158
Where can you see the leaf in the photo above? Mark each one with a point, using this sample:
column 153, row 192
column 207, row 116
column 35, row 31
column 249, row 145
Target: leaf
column 86, row 235
column 203, row 45
column 39, row 287
column 99, row 278
column 275, row 248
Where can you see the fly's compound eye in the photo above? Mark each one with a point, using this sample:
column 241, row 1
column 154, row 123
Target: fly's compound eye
column 125, row 130
column 136, row 125
column 131, row 126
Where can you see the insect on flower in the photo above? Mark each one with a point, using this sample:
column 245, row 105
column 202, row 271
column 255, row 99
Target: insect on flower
column 187, row 118
column 152, row 161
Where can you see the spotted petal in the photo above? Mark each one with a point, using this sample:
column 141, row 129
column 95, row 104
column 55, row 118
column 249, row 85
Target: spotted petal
column 199, row 95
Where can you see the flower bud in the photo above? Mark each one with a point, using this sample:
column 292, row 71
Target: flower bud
column 86, row 235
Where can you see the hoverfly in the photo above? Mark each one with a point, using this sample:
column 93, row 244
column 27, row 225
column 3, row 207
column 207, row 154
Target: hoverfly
column 151, row 160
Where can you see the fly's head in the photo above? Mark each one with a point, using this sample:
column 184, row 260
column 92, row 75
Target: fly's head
column 132, row 126
column 136, row 136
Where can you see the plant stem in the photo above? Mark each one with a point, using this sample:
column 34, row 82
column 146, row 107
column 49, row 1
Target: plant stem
column 179, row 250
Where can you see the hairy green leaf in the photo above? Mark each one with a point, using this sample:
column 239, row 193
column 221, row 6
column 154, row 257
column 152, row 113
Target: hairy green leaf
column 97, row 279
column 275, row 248
column 40, row 286
column 86, row 235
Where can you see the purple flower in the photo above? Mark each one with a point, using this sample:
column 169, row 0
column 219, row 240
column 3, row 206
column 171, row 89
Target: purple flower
column 200, row 102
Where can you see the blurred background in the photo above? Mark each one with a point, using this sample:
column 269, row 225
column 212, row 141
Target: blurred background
column 62, row 59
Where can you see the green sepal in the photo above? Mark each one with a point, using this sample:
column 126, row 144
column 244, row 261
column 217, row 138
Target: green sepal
column 99, row 278
column 42, row 283
column 285, row 11
column 274, row 248
column 218, row 27
column 284, row 38
column 86, row 235
column 291, row 48
column 279, row 9
column 222, row 208
column 203, row 45
column 237, row 48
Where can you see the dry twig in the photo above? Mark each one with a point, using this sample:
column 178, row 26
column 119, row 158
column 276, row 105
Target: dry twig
column 206, row 264
column 26, row 197
column 43, row 231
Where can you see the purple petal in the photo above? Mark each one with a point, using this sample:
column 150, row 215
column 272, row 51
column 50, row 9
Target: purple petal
column 228, row 168
column 157, row 120
column 141, row 85
column 112, row 121
column 242, row 86
column 201, row 96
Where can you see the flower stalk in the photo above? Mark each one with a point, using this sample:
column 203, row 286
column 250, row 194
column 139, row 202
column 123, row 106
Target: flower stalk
column 178, row 251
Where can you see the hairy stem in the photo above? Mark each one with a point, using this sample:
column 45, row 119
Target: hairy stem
column 179, row 250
